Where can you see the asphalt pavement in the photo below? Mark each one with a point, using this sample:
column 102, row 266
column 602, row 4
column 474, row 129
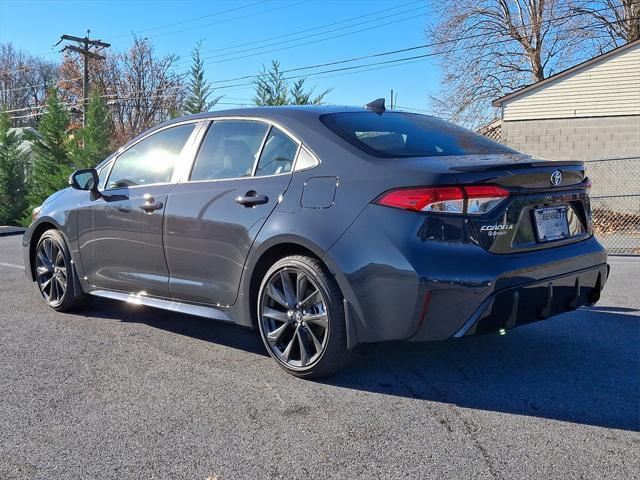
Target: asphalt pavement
column 123, row 391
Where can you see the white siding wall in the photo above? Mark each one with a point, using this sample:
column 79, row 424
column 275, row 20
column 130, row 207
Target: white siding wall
column 606, row 88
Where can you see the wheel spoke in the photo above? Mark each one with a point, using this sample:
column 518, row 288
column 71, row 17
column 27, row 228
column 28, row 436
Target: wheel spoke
column 59, row 260
column 49, row 251
column 42, row 270
column 304, row 351
column 276, row 315
column 62, row 283
column 274, row 336
column 44, row 260
column 317, row 344
column 46, row 284
column 317, row 319
column 276, row 295
column 313, row 298
column 54, row 290
column 301, row 286
column 287, row 351
column 287, row 287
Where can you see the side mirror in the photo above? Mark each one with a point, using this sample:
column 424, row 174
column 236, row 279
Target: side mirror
column 86, row 179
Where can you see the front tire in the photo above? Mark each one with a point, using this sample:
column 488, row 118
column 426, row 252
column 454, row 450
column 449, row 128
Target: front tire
column 55, row 274
column 301, row 317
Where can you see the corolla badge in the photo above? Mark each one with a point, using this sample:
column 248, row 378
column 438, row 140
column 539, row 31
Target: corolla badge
column 496, row 230
column 556, row 178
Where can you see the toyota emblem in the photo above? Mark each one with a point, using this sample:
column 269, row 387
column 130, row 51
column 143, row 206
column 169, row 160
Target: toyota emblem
column 556, row 178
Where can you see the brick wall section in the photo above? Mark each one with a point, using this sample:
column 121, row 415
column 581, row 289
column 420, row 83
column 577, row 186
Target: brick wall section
column 575, row 138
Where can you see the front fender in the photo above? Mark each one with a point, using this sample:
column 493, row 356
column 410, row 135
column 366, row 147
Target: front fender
column 59, row 212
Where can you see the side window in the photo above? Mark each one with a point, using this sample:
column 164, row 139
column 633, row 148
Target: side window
column 229, row 150
column 278, row 154
column 151, row 160
column 102, row 174
column 306, row 160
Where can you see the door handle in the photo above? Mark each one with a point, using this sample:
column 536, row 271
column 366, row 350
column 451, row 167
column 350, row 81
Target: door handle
column 150, row 204
column 251, row 198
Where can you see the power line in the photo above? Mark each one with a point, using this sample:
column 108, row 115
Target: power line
column 308, row 67
column 407, row 60
column 348, row 33
column 214, row 14
column 333, row 37
column 311, row 29
column 231, row 47
column 331, row 73
column 225, row 20
column 555, row 19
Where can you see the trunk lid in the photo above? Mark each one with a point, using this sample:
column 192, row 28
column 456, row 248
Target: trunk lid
column 547, row 205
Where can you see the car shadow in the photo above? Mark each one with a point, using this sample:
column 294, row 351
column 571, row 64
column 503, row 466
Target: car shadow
column 223, row 333
column 581, row 367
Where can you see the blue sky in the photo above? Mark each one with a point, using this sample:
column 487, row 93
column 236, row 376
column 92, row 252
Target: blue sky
column 37, row 25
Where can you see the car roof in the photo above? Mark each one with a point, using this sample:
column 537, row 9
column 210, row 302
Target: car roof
column 285, row 115
column 290, row 111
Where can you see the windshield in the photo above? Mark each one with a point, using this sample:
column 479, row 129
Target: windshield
column 394, row 134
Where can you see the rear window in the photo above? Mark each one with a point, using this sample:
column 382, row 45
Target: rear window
column 394, row 134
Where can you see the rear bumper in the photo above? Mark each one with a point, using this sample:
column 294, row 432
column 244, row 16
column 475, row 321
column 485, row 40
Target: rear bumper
column 401, row 286
column 531, row 302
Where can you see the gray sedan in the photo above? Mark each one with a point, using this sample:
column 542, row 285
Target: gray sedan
column 323, row 228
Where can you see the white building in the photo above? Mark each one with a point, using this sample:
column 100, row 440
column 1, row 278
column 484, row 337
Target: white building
column 589, row 111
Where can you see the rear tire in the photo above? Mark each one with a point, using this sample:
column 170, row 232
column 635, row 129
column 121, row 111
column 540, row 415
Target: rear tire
column 55, row 274
column 301, row 317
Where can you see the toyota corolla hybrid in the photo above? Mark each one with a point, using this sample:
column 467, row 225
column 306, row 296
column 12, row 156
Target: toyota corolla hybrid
column 323, row 228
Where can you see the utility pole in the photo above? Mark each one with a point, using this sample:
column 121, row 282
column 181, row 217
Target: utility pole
column 83, row 47
column 394, row 100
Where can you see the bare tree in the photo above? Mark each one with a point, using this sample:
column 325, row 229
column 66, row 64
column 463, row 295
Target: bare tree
column 612, row 23
column 141, row 89
column 23, row 82
column 491, row 47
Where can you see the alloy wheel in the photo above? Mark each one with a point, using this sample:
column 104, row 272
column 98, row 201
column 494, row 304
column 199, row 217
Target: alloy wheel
column 51, row 271
column 294, row 318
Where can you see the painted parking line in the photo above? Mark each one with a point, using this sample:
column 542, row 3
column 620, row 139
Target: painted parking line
column 11, row 265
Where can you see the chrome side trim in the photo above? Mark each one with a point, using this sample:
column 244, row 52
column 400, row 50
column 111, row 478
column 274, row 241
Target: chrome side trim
column 171, row 305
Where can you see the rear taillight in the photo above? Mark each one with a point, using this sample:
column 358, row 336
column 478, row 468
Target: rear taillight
column 440, row 199
column 472, row 200
column 483, row 198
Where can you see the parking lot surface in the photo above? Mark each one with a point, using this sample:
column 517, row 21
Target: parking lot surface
column 122, row 391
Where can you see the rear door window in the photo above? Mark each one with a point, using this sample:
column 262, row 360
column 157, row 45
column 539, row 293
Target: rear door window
column 278, row 154
column 394, row 134
column 229, row 150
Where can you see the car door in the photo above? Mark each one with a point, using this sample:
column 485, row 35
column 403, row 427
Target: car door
column 240, row 171
column 120, row 231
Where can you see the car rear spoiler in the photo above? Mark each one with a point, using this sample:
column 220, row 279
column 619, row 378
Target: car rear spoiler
column 518, row 165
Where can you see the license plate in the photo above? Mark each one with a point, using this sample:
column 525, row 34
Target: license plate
column 551, row 223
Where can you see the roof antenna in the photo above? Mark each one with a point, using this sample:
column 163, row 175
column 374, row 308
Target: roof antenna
column 376, row 106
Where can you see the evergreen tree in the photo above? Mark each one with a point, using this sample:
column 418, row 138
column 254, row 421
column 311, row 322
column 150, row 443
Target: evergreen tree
column 199, row 89
column 272, row 88
column 51, row 147
column 96, row 134
column 13, row 167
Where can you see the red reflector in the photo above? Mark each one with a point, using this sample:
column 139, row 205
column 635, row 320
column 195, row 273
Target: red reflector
column 485, row 191
column 419, row 198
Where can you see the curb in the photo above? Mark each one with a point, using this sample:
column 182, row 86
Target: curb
column 6, row 231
